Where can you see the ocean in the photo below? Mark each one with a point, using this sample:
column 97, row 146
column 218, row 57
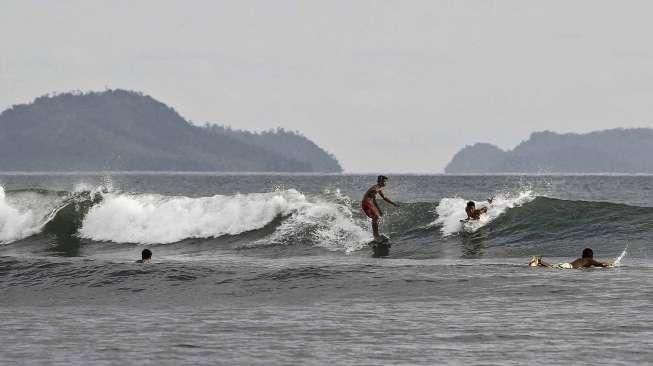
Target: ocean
column 276, row 270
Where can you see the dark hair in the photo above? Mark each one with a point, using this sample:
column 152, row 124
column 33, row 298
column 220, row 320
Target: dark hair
column 588, row 253
column 381, row 178
column 471, row 204
column 146, row 254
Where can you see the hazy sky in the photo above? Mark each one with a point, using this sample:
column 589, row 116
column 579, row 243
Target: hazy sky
column 387, row 86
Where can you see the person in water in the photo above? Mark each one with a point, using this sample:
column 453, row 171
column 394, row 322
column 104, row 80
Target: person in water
column 146, row 255
column 473, row 213
column 371, row 207
column 585, row 261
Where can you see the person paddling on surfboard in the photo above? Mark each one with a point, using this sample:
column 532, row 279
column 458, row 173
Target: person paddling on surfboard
column 472, row 212
column 371, row 208
column 585, row 261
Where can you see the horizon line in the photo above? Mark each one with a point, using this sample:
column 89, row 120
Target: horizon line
column 346, row 173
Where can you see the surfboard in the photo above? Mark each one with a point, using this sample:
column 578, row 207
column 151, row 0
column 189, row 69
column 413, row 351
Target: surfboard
column 380, row 248
column 383, row 241
column 615, row 263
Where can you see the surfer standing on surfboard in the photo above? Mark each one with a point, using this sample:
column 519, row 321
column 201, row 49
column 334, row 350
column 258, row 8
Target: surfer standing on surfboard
column 371, row 208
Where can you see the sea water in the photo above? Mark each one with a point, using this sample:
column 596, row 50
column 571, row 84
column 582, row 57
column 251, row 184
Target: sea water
column 276, row 269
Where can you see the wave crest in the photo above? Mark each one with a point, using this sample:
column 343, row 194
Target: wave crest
column 24, row 213
column 151, row 218
column 451, row 211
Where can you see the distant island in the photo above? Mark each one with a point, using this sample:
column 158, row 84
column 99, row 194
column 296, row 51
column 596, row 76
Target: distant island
column 610, row 151
column 126, row 131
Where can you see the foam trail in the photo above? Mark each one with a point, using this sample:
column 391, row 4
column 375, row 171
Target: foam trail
column 452, row 210
column 621, row 256
column 151, row 218
column 330, row 226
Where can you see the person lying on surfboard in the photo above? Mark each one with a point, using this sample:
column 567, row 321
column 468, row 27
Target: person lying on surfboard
column 585, row 261
column 371, row 207
column 472, row 212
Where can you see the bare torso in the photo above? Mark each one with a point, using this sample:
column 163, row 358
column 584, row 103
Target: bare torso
column 587, row 263
column 371, row 193
column 474, row 213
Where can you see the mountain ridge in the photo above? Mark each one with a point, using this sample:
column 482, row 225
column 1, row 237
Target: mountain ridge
column 126, row 130
column 619, row 150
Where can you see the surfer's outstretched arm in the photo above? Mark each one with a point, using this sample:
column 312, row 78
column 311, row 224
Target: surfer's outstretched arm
column 596, row 263
column 387, row 199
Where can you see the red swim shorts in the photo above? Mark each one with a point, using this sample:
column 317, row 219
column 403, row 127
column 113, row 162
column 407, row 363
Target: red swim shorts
column 370, row 210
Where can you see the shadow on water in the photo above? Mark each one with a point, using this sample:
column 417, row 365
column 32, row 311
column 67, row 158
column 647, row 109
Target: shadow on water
column 63, row 229
column 473, row 244
column 380, row 250
column 64, row 225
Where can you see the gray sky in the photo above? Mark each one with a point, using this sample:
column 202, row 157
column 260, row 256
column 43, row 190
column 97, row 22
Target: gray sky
column 387, row 86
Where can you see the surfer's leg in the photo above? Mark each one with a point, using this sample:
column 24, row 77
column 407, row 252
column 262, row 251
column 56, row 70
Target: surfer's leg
column 373, row 213
column 375, row 228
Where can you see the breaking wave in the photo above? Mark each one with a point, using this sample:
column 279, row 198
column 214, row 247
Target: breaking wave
column 451, row 211
column 151, row 218
column 271, row 222
column 24, row 213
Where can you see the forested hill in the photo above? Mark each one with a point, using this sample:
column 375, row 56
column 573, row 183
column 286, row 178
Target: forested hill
column 125, row 130
column 286, row 143
column 610, row 151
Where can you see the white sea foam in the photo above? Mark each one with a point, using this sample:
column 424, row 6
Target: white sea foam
column 328, row 225
column 452, row 210
column 151, row 218
column 23, row 214
column 617, row 261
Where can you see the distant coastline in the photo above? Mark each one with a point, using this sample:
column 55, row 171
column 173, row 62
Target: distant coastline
column 615, row 151
column 120, row 130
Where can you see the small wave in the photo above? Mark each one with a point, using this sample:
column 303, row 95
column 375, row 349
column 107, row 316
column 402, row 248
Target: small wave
column 599, row 224
column 451, row 211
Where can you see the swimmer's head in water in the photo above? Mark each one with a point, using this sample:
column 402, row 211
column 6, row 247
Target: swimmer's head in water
column 588, row 253
column 470, row 204
column 381, row 180
column 146, row 254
